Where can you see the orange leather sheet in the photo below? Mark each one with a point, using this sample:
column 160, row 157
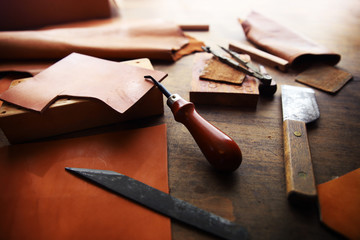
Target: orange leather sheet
column 119, row 85
column 285, row 43
column 111, row 39
column 40, row 200
column 339, row 201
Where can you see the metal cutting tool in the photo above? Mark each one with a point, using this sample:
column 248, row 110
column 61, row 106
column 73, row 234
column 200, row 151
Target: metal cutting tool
column 163, row 203
column 267, row 85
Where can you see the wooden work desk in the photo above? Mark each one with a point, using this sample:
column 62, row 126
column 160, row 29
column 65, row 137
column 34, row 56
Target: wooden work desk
column 254, row 195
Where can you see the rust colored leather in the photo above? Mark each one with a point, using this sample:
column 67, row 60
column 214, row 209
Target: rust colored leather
column 339, row 201
column 40, row 200
column 285, row 43
column 111, row 39
column 119, row 85
column 26, row 14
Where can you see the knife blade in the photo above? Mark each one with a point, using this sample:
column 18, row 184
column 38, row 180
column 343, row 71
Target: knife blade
column 162, row 203
column 299, row 108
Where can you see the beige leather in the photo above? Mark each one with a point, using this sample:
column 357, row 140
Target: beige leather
column 119, row 85
column 110, row 39
column 40, row 200
column 285, row 43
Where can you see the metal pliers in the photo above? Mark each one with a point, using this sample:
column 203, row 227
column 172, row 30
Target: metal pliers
column 267, row 85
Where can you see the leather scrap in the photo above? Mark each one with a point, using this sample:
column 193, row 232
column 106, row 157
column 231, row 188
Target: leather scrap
column 327, row 78
column 40, row 200
column 285, row 43
column 339, row 201
column 215, row 70
column 119, row 85
column 110, row 38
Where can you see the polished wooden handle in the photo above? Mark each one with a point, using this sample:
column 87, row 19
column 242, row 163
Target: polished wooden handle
column 300, row 181
column 219, row 149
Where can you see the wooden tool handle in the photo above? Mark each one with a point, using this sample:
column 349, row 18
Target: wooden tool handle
column 300, row 181
column 219, row 149
column 260, row 56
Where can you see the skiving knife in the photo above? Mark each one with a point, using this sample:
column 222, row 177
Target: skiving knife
column 162, row 203
column 299, row 107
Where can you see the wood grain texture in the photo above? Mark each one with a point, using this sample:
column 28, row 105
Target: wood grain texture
column 300, row 180
column 260, row 56
column 255, row 194
column 218, row 93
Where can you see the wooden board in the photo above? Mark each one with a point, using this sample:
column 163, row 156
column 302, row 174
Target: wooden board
column 217, row 93
column 73, row 114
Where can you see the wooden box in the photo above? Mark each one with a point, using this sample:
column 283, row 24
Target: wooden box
column 73, row 114
column 223, row 94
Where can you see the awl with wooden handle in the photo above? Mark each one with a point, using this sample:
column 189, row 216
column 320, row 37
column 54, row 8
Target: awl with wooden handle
column 220, row 150
column 299, row 107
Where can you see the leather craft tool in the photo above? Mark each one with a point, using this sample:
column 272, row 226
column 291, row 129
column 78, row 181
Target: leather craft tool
column 220, row 150
column 260, row 56
column 162, row 203
column 299, row 107
column 267, row 85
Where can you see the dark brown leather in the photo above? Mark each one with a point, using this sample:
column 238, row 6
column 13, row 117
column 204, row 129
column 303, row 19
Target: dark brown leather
column 20, row 14
column 285, row 43
column 40, row 200
column 119, row 85
column 111, row 39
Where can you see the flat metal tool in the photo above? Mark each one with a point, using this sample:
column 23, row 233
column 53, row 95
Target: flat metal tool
column 220, row 150
column 299, row 107
column 162, row 203
column 267, row 85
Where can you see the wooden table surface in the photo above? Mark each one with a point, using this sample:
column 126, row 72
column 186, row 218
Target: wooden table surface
column 254, row 195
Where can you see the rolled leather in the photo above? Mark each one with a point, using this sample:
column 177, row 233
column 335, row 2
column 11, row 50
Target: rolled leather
column 284, row 42
column 31, row 14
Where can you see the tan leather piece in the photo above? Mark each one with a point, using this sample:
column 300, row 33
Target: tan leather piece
column 324, row 77
column 215, row 70
column 40, row 200
column 119, row 85
column 5, row 83
column 111, row 39
column 339, row 201
column 285, row 43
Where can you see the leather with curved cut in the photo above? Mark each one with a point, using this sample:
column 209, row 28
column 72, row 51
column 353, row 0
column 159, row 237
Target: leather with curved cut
column 118, row 85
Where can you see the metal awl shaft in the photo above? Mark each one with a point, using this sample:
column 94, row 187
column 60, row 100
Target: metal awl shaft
column 219, row 149
column 160, row 86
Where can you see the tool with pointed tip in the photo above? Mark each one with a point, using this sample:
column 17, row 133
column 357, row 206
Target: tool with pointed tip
column 299, row 107
column 220, row 150
column 162, row 203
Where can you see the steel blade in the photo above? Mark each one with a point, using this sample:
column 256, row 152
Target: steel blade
column 299, row 103
column 162, row 203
